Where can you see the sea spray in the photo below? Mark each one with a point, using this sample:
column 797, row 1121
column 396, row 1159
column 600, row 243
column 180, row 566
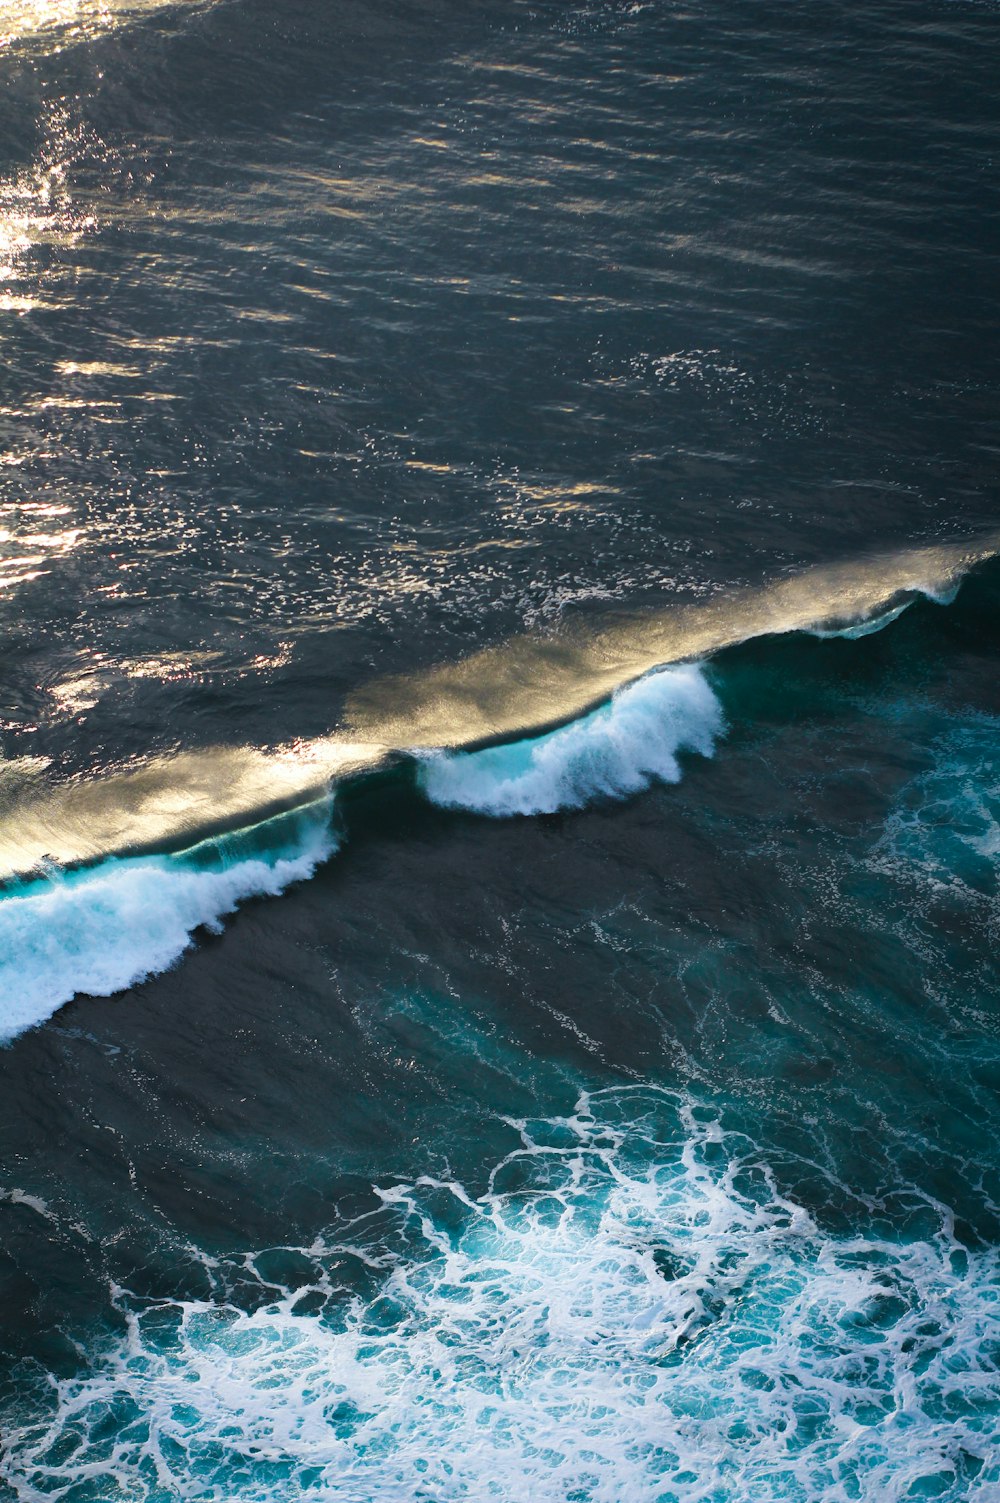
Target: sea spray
column 867, row 626
column 106, row 927
column 615, row 751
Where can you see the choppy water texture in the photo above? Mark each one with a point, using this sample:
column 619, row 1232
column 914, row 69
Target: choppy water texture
column 501, row 808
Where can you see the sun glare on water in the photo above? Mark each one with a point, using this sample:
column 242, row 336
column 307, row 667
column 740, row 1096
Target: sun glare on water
column 66, row 21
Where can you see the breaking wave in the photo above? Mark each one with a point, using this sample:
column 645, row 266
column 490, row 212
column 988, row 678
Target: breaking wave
column 615, row 751
column 108, row 881
column 532, row 683
column 104, row 928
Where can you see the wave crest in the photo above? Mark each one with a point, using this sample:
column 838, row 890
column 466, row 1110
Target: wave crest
column 615, row 751
column 102, row 929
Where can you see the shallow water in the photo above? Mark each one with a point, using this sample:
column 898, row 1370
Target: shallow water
column 500, row 802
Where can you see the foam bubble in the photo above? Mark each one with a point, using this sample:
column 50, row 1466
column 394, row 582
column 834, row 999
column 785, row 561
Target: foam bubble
column 615, row 751
column 104, row 928
column 632, row 1311
column 946, row 823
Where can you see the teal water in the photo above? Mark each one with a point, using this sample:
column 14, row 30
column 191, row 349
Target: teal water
column 631, row 1308
column 697, row 1093
column 499, row 790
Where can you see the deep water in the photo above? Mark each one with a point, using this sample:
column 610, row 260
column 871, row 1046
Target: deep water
column 500, row 837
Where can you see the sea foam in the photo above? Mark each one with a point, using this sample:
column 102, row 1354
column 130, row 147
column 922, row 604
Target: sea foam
column 615, row 751
column 633, row 1311
column 103, row 928
column 868, row 625
column 945, row 823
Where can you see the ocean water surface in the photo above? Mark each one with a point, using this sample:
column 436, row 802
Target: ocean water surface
column 499, row 752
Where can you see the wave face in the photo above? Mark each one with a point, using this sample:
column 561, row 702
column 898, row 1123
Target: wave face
column 121, row 918
column 615, row 751
column 102, row 929
column 536, row 681
column 116, row 922
column 633, row 1310
column 512, row 694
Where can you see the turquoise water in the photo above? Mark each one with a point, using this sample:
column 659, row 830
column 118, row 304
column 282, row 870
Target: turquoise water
column 760, row 1265
column 499, row 789
column 632, row 1308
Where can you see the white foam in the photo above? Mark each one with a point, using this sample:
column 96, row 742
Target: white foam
column 945, row 823
column 104, row 928
column 944, row 593
column 633, row 1312
column 616, row 751
column 855, row 630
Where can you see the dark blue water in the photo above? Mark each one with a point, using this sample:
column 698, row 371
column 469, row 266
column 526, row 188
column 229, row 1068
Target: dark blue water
column 500, row 792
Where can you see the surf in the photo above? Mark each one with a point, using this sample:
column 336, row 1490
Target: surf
column 533, row 683
column 632, row 1308
column 109, row 881
column 102, row 929
column 614, row 752
column 519, row 691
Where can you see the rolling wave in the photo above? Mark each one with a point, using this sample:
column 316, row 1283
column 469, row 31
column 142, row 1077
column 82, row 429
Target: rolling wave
column 613, row 752
column 534, row 683
column 168, row 805
column 105, row 928
column 108, row 881
column 521, row 690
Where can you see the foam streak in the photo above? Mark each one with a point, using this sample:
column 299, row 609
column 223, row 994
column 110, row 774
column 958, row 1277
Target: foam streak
column 633, row 1312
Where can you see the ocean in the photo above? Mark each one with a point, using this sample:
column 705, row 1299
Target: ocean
column 499, row 751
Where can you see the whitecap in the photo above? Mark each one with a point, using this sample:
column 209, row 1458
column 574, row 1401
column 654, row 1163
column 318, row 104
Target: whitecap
column 620, row 749
column 103, row 928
